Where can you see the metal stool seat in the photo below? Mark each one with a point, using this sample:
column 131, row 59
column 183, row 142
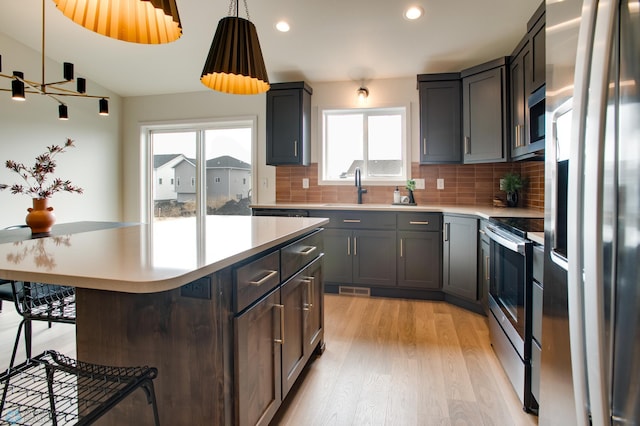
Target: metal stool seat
column 52, row 389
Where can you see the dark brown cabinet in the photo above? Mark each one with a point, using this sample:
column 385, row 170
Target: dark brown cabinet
column 289, row 124
column 459, row 254
column 485, row 114
column 440, row 118
column 276, row 335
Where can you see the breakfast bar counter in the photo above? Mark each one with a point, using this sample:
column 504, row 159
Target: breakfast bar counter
column 168, row 296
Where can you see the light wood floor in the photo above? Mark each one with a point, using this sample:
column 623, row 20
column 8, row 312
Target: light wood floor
column 387, row 361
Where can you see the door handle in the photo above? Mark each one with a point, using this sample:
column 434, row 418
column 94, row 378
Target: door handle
column 295, row 148
column 348, row 246
column 445, row 234
column 401, row 247
column 424, row 146
column 281, row 308
column 467, row 145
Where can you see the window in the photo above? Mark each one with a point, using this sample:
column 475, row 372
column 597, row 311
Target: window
column 373, row 140
column 195, row 156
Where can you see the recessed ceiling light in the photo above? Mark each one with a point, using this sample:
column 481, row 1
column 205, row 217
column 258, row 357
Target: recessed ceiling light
column 413, row 13
column 283, row 26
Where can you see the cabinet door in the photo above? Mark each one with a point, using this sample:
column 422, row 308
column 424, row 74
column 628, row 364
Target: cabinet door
column 484, row 106
column 337, row 260
column 483, row 272
column 294, row 297
column 258, row 391
column 537, row 39
column 440, row 128
column 314, row 327
column 460, row 254
column 520, row 74
column 374, row 257
column 419, row 259
column 283, row 126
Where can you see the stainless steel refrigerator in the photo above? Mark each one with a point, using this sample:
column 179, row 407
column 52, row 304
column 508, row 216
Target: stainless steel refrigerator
column 590, row 370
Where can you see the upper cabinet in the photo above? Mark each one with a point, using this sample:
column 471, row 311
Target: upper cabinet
column 527, row 76
column 440, row 116
column 535, row 33
column 289, row 124
column 485, row 113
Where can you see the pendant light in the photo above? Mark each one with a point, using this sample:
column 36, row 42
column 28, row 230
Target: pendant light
column 235, row 64
column 135, row 21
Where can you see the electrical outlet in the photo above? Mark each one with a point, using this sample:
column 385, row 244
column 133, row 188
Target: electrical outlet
column 440, row 183
column 419, row 183
column 305, row 183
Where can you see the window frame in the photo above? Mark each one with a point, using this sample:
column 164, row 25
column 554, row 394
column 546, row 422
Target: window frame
column 405, row 113
column 200, row 126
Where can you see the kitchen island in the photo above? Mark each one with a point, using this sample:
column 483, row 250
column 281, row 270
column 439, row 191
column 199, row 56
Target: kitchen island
column 174, row 296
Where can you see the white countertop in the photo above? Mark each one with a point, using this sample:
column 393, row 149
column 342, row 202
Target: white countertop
column 483, row 212
column 144, row 258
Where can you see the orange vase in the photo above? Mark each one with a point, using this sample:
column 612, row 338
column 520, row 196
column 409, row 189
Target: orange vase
column 40, row 218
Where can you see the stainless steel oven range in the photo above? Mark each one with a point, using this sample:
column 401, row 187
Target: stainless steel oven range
column 510, row 293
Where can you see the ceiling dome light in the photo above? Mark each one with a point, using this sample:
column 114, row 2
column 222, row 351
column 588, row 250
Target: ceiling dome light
column 413, row 13
column 283, row 26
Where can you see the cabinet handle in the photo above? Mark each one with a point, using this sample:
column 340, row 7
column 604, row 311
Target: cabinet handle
column 424, row 146
column 467, row 145
column 350, row 220
column 295, row 148
column 308, row 250
column 355, row 246
column 482, row 231
column 517, row 132
column 281, row 308
column 310, row 289
column 348, row 246
column 416, row 222
column 263, row 279
column 486, row 264
column 445, row 234
column 401, row 247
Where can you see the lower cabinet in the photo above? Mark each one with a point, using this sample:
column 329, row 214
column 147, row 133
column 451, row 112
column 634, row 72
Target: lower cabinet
column 419, row 259
column 484, row 264
column 276, row 336
column 459, row 257
column 360, row 257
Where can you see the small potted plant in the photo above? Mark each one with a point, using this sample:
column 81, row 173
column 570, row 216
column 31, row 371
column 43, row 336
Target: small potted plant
column 411, row 186
column 511, row 183
column 41, row 218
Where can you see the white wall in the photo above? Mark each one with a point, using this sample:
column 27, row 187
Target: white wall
column 210, row 104
column 27, row 128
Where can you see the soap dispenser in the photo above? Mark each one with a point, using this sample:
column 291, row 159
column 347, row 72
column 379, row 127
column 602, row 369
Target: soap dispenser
column 396, row 196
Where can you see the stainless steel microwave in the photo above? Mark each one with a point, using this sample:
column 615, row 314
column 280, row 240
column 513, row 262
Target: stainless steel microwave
column 536, row 116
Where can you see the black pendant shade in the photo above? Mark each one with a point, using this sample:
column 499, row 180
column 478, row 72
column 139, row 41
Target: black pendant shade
column 235, row 64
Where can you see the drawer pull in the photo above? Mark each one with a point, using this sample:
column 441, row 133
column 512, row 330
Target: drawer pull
column 417, row 222
column 263, row 279
column 351, row 220
column 308, row 250
column 281, row 339
column 482, row 231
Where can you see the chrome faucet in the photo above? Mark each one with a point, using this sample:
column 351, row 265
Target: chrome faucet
column 359, row 185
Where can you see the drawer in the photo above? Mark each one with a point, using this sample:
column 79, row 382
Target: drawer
column 297, row 255
column 538, row 263
column 536, row 354
column 419, row 221
column 536, row 315
column 353, row 219
column 255, row 279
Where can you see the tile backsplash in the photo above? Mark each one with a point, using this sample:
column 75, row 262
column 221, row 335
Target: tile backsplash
column 464, row 184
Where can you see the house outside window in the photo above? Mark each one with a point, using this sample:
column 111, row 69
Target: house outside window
column 372, row 139
column 202, row 154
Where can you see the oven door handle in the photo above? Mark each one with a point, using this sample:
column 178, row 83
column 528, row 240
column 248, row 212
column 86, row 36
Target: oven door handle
column 516, row 246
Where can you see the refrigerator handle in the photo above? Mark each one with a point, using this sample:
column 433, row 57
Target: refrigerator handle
column 574, row 211
column 596, row 344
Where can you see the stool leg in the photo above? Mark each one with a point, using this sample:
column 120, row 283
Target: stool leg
column 147, row 386
column 27, row 337
column 15, row 345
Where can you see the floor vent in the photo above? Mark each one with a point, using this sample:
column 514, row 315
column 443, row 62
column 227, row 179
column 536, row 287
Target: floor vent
column 354, row 291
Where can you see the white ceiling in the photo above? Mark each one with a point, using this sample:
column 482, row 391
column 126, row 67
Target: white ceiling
column 330, row 40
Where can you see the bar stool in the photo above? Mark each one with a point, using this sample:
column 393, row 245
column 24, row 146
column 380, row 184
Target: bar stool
column 41, row 302
column 6, row 293
column 54, row 389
